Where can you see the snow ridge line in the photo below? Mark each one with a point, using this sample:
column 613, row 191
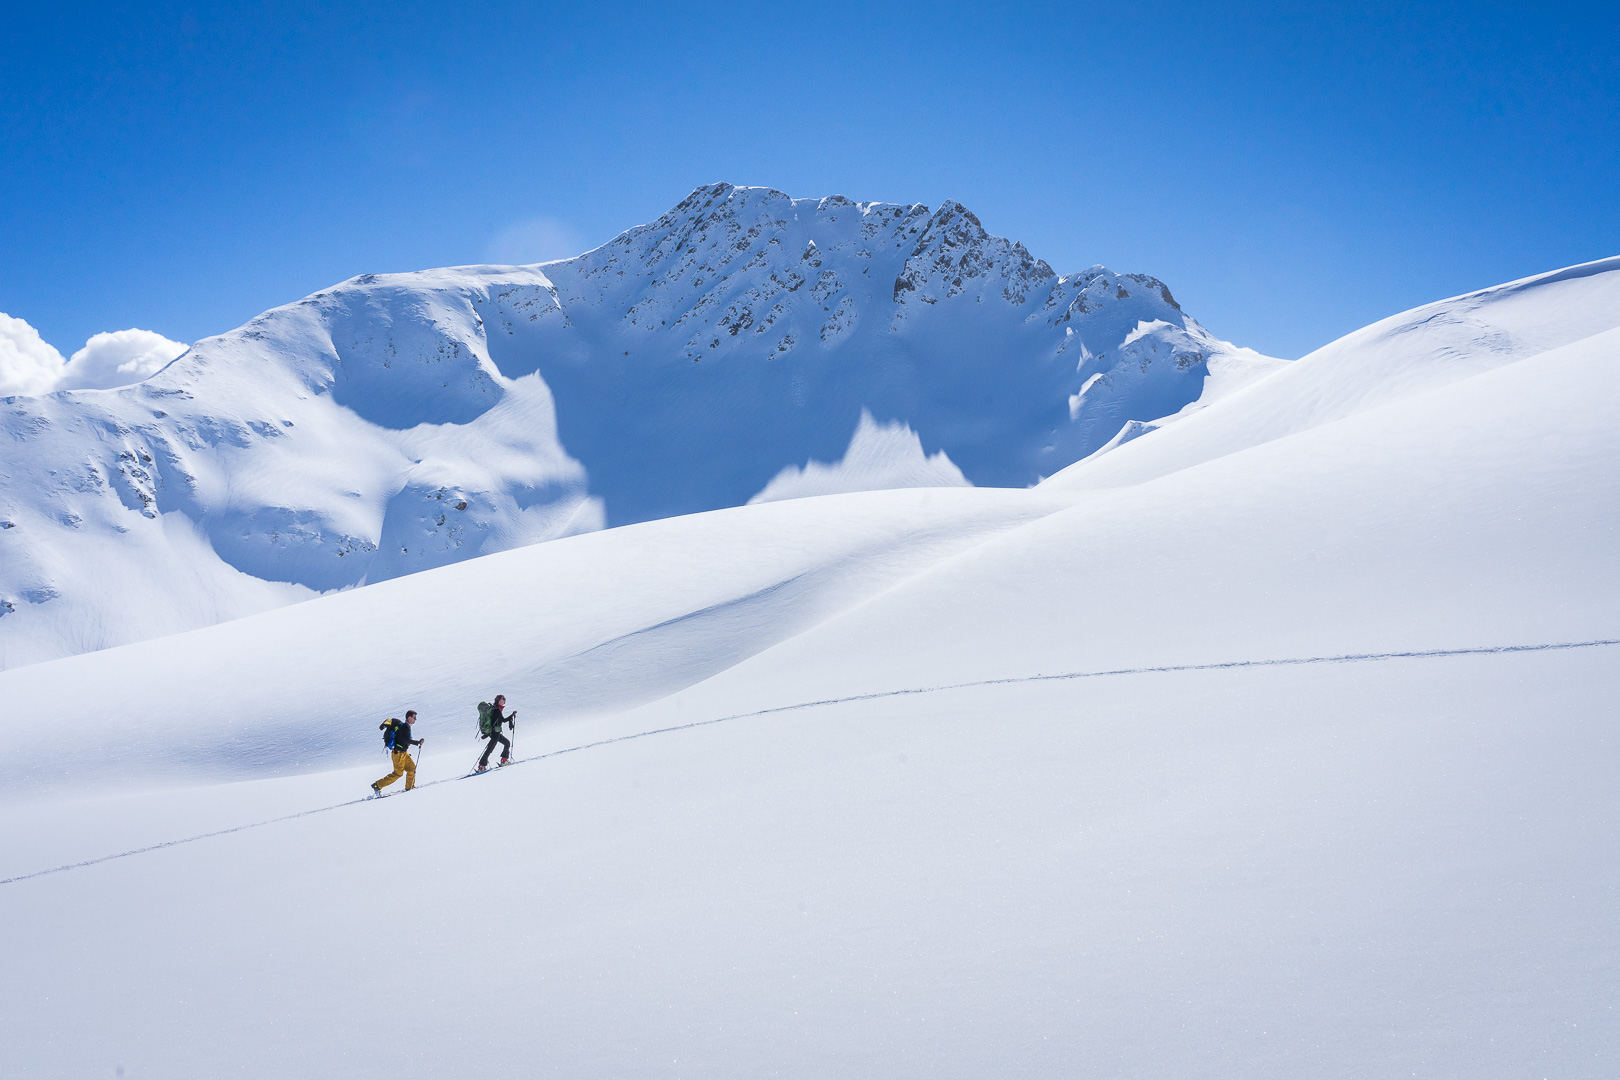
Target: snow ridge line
column 1345, row 658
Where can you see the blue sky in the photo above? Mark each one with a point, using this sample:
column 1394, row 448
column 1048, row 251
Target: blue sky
column 1291, row 171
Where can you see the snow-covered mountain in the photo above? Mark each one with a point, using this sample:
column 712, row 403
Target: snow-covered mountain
column 745, row 345
column 1277, row 741
column 745, row 332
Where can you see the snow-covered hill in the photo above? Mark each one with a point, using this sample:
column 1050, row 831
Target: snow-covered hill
column 746, row 345
column 1423, row 349
column 1292, row 755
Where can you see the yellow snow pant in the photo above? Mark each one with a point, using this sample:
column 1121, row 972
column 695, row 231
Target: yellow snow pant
column 404, row 765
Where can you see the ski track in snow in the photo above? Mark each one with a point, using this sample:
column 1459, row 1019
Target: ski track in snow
column 1346, row 658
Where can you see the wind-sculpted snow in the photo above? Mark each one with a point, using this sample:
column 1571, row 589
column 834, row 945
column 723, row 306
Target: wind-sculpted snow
column 1416, row 351
column 880, row 456
column 355, row 436
column 399, row 422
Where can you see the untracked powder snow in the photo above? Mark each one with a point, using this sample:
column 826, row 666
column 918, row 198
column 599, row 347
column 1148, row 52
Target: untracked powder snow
column 1274, row 740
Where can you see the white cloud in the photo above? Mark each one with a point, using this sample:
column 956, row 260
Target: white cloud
column 27, row 364
column 118, row 358
column 537, row 239
column 30, row 365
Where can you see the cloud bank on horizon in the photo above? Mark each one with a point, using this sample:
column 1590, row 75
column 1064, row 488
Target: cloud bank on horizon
column 30, row 365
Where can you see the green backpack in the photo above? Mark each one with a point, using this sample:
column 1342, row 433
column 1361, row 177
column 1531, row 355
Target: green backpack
column 485, row 728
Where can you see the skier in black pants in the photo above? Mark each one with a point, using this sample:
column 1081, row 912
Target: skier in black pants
column 495, row 736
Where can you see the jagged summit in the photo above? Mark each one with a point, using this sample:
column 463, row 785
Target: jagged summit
column 832, row 306
column 396, row 422
column 698, row 256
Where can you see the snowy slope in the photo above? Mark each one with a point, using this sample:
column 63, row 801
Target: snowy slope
column 727, row 351
column 593, row 623
column 1382, row 869
column 355, row 436
column 1425, row 348
column 1482, row 513
column 1294, row 812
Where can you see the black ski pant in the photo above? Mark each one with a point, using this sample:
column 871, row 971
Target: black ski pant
column 506, row 749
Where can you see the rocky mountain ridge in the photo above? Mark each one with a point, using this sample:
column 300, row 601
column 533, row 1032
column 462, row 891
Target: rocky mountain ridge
column 402, row 421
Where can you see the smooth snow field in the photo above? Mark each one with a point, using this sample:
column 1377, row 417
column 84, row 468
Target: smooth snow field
column 1278, row 741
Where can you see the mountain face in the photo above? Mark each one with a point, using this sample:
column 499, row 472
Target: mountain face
column 745, row 331
column 719, row 354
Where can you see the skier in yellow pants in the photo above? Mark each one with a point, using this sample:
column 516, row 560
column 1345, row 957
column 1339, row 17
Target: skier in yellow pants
column 397, row 734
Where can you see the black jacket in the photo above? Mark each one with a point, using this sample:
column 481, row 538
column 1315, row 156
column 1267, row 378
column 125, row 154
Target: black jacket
column 402, row 735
